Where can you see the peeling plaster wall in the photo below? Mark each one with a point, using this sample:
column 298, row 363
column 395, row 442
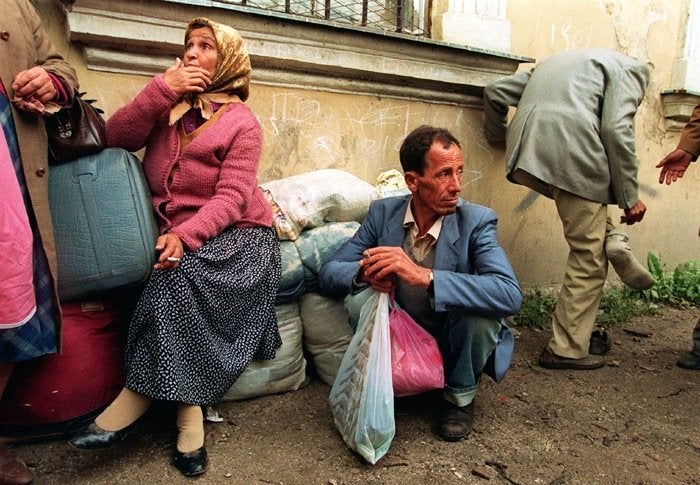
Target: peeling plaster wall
column 310, row 130
column 307, row 129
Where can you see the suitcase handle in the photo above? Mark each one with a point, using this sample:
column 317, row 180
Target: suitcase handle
column 84, row 167
column 85, row 171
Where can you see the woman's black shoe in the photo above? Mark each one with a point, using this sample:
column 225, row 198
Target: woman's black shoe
column 192, row 463
column 94, row 438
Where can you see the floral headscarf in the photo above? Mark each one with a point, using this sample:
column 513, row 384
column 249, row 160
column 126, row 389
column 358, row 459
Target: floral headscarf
column 230, row 83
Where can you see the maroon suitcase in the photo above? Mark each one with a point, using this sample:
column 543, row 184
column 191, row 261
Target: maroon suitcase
column 57, row 393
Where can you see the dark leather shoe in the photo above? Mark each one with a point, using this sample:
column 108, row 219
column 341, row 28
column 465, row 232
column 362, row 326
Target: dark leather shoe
column 600, row 343
column 455, row 423
column 689, row 361
column 13, row 471
column 549, row 360
column 192, row 463
column 94, row 438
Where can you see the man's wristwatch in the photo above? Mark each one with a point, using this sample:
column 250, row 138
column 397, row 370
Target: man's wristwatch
column 355, row 282
column 357, row 285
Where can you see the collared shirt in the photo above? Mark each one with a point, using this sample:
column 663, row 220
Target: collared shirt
column 423, row 244
column 193, row 119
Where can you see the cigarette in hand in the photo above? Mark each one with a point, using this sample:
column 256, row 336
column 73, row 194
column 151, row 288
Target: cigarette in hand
column 173, row 259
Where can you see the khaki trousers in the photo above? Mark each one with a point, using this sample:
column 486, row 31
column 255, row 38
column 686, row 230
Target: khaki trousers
column 584, row 224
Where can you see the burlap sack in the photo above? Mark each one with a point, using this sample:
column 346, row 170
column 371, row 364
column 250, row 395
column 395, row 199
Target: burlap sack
column 286, row 372
column 327, row 333
column 313, row 198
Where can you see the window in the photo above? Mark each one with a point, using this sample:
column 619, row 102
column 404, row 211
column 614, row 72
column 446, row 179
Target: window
column 684, row 93
column 691, row 50
column 403, row 16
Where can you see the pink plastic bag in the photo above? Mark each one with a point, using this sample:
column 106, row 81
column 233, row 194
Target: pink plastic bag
column 416, row 360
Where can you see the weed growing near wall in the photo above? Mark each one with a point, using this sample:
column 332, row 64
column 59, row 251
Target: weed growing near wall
column 619, row 304
column 536, row 310
column 679, row 288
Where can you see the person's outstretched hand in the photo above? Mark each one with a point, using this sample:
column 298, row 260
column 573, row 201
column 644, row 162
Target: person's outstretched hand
column 674, row 165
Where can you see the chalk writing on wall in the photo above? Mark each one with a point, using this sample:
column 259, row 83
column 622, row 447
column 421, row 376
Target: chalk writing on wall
column 362, row 136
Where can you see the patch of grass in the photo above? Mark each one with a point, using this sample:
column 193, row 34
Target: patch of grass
column 536, row 310
column 679, row 288
column 619, row 304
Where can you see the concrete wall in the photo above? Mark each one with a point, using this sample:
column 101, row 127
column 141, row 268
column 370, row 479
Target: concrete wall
column 351, row 120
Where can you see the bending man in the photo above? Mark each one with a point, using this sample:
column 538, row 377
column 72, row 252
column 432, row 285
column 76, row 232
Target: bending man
column 572, row 140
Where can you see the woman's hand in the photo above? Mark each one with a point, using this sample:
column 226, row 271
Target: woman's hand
column 186, row 79
column 170, row 247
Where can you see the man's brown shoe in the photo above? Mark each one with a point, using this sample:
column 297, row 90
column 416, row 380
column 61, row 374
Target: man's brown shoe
column 550, row 360
column 689, row 361
column 455, row 423
column 13, row 471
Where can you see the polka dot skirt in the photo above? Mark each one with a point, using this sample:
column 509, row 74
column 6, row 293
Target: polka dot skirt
column 197, row 327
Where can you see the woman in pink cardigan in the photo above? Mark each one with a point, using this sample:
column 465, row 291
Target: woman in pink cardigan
column 208, row 308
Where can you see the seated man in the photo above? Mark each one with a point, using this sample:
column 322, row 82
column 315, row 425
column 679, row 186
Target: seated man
column 440, row 256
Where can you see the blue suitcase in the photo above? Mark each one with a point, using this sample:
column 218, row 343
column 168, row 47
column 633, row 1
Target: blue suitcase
column 104, row 226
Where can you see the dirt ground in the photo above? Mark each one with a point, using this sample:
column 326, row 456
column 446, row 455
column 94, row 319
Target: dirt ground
column 636, row 421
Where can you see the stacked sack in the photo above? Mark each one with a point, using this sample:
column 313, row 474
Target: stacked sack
column 314, row 213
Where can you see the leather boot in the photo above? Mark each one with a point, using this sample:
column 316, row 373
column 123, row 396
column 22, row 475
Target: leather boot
column 455, row 423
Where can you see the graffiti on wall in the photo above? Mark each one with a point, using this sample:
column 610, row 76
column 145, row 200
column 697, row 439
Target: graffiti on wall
column 303, row 133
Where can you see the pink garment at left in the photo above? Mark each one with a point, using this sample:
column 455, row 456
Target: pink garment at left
column 17, row 300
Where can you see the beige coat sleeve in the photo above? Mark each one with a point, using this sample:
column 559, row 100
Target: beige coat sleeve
column 690, row 138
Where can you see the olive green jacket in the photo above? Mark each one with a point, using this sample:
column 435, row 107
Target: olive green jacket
column 574, row 123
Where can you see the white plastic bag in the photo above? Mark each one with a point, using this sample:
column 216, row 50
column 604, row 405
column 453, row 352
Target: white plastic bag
column 362, row 398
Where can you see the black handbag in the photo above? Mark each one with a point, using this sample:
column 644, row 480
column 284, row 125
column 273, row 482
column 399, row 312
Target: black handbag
column 76, row 131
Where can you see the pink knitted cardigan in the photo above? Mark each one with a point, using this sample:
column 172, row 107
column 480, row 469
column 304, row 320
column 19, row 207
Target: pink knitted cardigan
column 213, row 180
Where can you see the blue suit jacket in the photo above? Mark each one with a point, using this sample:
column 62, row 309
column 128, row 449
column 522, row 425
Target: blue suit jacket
column 471, row 271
